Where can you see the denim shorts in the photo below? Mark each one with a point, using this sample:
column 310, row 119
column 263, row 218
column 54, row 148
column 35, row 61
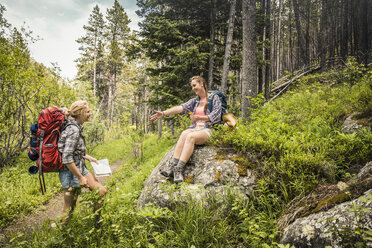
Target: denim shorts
column 67, row 178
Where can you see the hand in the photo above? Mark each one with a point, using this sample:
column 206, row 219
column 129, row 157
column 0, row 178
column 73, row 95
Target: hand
column 91, row 159
column 194, row 117
column 83, row 181
column 158, row 115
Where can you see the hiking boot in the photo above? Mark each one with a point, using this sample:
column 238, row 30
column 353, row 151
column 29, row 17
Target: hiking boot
column 168, row 172
column 178, row 177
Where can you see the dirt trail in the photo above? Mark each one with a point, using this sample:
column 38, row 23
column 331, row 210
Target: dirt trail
column 50, row 210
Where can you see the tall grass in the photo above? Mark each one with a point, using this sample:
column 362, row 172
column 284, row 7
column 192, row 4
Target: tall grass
column 20, row 192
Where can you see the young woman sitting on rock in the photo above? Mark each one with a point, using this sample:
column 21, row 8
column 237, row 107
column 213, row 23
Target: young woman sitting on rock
column 200, row 131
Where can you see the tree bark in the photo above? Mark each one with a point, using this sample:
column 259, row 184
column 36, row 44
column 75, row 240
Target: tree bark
column 267, row 52
column 299, row 33
column 307, row 34
column 95, row 66
column 363, row 33
column 278, row 43
column 323, row 35
column 211, row 56
column 249, row 66
column 229, row 37
column 345, row 37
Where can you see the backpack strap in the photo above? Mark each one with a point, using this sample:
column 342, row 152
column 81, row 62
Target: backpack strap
column 196, row 102
column 212, row 93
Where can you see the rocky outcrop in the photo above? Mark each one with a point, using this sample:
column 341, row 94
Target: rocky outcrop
column 208, row 175
column 335, row 227
column 354, row 123
column 331, row 214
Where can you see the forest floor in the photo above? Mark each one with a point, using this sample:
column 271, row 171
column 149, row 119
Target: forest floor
column 52, row 210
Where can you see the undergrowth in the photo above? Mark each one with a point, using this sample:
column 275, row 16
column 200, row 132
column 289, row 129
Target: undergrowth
column 20, row 192
column 298, row 138
column 297, row 142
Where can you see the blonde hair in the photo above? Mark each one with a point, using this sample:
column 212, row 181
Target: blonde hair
column 78, row 108
column 200, row 79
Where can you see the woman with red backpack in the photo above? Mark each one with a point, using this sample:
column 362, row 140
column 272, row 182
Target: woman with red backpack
column 72, row 146
column 197, row 134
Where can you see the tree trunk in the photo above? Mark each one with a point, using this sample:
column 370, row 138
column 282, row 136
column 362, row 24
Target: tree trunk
column 299, row 33
column 249, row 66
column 94, row 66
column 290, row 42
column 261, row 35
column 307, row 35
column 159, row 129
column 323, row 35
column 267, row 52
column 229, row 37
column 363, row 32
column 278, row 43
column 211, row 56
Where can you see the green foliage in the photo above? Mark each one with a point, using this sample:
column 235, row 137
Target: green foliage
column 297, row 143
column 26, row 88
column 298, row 139
column 94, row 132
column 20, row 192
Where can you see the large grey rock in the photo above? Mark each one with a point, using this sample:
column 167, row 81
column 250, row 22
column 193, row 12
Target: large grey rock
column 319, row 230
column 350, row 125
column 206, row 176
column 365, row 172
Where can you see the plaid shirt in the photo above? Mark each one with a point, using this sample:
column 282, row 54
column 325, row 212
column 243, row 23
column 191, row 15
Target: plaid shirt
column 214, row 116
column 72, row 145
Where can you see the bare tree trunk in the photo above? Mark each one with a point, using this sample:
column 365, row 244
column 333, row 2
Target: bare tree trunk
column 94, row 66
column 145, row 111
column 136, row 103
column 229, row 37
column 249, row 66
column 211, row 56
column 299, row 32
column 278, row 43
column 307, row 35
column 323, row 35
column 159, row 129
column 290, row 42
column 267, row 52
column 110, row 96
column 363, row 33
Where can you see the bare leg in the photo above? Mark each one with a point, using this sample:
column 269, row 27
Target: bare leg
column 70, row 196
column 192, row 139
column 180, row 143
column 93, row 184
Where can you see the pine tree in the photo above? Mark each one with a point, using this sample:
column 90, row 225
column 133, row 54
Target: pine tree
column 117, row 33
column 90, row 66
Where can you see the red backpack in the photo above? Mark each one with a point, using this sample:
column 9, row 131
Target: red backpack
column 44, row 143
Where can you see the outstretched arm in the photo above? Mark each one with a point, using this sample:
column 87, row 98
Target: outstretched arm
column 160, row 114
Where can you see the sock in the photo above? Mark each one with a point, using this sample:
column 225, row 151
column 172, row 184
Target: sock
column 174, row 162
column 180, row 165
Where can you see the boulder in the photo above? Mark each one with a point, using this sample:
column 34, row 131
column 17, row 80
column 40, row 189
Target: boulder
column 335, row 227
column 208, row 175
column 354, row 123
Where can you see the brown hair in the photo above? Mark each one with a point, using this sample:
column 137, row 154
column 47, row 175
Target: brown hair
column 78, row 108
